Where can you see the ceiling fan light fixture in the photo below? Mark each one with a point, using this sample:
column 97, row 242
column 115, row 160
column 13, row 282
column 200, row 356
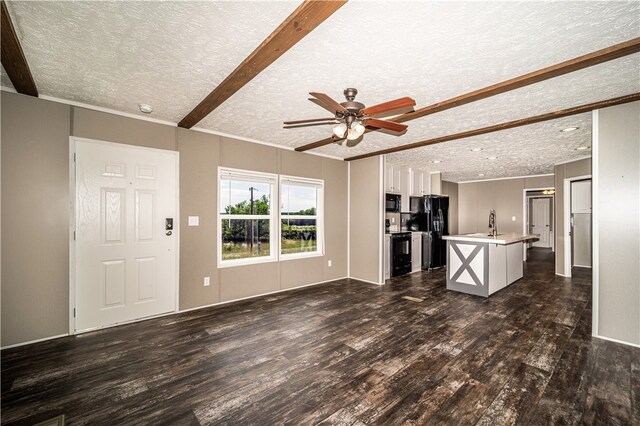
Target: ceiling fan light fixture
column 352, row 135
column 358, row 128
column 340, row 130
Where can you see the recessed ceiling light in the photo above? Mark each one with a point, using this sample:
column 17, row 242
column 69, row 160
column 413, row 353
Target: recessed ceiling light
column 480, row 174
column 491, row 158
column 437, row 161
column 569, row 129
column 582, row 148
column 476, row 149
column 145, row 108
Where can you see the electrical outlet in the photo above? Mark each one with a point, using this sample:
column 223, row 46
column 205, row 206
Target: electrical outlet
column 207, row 281
column 513, row 218
column 329, row 264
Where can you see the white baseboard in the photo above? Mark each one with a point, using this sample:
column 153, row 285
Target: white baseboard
column 365, row 281
column 44, row 339
column 616, row 341
column 562, row 275
column 226, row 302
column 169, row 313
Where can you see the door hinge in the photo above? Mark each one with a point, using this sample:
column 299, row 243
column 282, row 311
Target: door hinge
column 74, row 312
column 74, row 235
column 74, row 156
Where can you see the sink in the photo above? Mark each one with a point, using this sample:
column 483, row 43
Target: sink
column 480, row 234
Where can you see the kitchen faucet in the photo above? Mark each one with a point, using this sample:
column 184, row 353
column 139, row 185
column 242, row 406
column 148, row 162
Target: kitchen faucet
column 492, row 223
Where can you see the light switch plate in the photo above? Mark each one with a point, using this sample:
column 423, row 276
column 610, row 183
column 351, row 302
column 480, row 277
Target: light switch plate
column 513, row 218
column 207, row 281
column 194, row 221
column 329, row 264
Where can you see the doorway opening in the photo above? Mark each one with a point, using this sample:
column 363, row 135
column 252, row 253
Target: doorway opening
column 539, row 204
column 578, row 224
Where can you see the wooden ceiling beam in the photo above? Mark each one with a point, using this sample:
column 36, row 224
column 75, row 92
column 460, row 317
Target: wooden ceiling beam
column 301, row 22
column 12, row 57
column 599, row 56
column 504, row 126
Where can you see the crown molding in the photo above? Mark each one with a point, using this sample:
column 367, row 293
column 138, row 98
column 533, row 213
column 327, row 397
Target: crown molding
column 507, row 178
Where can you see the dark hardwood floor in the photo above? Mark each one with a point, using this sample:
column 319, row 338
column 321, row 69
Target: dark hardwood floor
column 343, row 353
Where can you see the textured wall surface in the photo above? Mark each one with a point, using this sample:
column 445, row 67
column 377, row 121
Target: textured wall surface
column 172, row 54
column 477, row 199
column 451, row 189
column 35, row 218
column 618, row 222
column 366, row 227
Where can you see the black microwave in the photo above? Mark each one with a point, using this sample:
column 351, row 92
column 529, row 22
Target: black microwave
column 392, row 203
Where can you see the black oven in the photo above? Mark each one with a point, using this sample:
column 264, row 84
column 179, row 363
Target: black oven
column 400, row 253
column 392, row 203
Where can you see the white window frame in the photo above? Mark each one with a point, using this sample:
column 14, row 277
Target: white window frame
column 274, row 234
column 319, row 217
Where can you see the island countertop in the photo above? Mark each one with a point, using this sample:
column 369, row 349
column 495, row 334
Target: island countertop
column 503, row 239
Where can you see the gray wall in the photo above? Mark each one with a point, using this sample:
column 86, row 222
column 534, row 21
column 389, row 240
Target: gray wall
column 451, row 189
column 477, row 199
column 617, row 188
column 35, row 211
column 366, row 227
column 561, row 172
column 35, row 218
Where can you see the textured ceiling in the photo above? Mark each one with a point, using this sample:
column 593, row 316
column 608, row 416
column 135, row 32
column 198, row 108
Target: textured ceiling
column 172, row 54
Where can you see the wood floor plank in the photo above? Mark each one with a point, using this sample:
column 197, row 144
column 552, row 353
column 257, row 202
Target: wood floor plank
column 343, row 352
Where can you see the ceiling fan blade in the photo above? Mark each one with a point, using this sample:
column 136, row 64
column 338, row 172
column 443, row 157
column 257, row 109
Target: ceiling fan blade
column 294, row 126
column 389, row 106
column 384, row 124
column 329, row 102
column 310, row 120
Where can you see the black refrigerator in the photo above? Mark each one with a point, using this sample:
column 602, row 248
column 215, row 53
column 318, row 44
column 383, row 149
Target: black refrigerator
column 430, row 215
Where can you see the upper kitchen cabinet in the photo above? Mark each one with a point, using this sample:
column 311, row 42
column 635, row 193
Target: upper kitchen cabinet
column 392, row 178
column 421, row 182
column 405, row 178
column 436, row 183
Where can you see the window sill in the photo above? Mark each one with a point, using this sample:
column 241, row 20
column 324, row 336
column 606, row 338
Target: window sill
column 244, row 262
column 297, row 256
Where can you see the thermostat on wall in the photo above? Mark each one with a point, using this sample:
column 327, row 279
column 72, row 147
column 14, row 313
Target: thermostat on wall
column 194, row 221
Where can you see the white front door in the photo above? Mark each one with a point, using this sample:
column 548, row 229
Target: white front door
column 125, row 258
column 541, row 213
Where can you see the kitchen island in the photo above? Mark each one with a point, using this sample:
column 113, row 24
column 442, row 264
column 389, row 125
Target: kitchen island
column 482, row 264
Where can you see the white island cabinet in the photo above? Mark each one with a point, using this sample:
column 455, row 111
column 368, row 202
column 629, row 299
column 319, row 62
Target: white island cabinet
column 480, row 264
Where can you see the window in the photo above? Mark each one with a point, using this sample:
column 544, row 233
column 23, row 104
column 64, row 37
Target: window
column 301, row 224
column 246, row 217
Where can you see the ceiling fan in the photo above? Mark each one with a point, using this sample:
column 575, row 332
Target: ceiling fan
column 351, row 117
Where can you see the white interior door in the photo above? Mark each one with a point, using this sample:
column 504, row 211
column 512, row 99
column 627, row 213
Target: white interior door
column 581, row 223
column 541, row 212
column 125, row 258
